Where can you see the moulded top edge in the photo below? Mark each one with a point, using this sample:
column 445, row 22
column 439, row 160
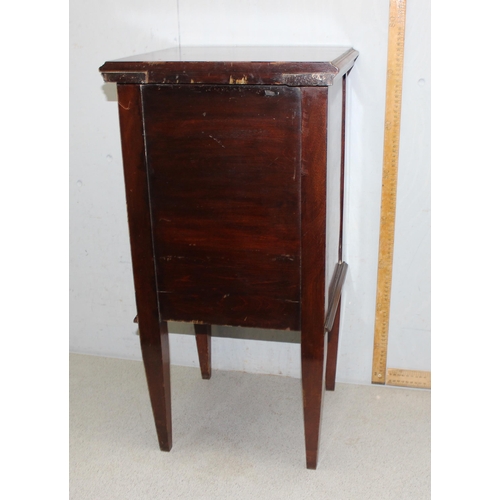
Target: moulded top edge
column 233, row 65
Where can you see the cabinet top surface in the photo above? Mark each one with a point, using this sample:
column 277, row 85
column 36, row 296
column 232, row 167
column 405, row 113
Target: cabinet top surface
column 296, row 66
column 242, row 54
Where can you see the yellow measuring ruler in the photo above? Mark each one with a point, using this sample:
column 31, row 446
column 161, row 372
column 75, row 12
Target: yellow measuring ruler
column 409, row 378
column 395, row 55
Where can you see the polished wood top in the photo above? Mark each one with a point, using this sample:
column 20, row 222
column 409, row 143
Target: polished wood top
column 294, row 66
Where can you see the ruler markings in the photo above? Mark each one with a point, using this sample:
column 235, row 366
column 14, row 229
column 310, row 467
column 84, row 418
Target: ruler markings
column 394, row 93
column 409, row 378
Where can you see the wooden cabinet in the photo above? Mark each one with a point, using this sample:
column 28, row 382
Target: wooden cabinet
column 233, row 161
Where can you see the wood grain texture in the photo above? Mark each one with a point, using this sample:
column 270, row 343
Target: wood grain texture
column 263, row 66
column 224, row 178
column 153, row 334
column 225, row 171
column 313, row 228
column 332, row 321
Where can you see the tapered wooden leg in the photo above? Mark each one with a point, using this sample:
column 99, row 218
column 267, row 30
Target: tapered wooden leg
column 203, row 342
column 312, row 392
column 313, row 226
column 333, row 345
column 153, row 332
column 157, row 365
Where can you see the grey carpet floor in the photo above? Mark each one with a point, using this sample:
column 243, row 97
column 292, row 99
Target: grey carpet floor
column 240, row 436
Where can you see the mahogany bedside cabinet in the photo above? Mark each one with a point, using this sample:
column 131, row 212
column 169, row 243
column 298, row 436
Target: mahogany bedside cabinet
column 234, row 171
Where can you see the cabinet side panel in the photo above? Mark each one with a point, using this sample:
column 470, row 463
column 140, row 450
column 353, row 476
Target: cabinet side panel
column 224, row 180
column 333, row 181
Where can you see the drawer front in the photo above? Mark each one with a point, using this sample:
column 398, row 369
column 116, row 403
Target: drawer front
column 224, row 181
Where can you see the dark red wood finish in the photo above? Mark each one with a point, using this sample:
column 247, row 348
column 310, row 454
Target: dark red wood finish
column 204, row 344
column 333, row 343
column 332, row 321
column 293, row 66
column 226, row 178
column 224, row 187
column 313, row 227
column 153, row 334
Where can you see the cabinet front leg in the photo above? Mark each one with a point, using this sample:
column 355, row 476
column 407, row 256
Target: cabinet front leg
column 313, row 247
column 204, row 344
column 153, row 332
column 313, row 355
column 156, row 357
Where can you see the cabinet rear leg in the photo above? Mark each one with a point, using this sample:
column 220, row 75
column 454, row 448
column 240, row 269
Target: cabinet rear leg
column 204, row 344
column 333, row 346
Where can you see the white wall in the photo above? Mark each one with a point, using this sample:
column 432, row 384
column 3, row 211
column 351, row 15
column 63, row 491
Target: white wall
column 102, row 297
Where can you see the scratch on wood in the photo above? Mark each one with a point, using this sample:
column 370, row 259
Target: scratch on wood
column 284, row 257
column 273, row 162
column 126, row 108
column 217, row 141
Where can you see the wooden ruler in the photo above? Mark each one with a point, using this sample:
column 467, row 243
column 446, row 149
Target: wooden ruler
column 409, row 378
column 395, row 55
